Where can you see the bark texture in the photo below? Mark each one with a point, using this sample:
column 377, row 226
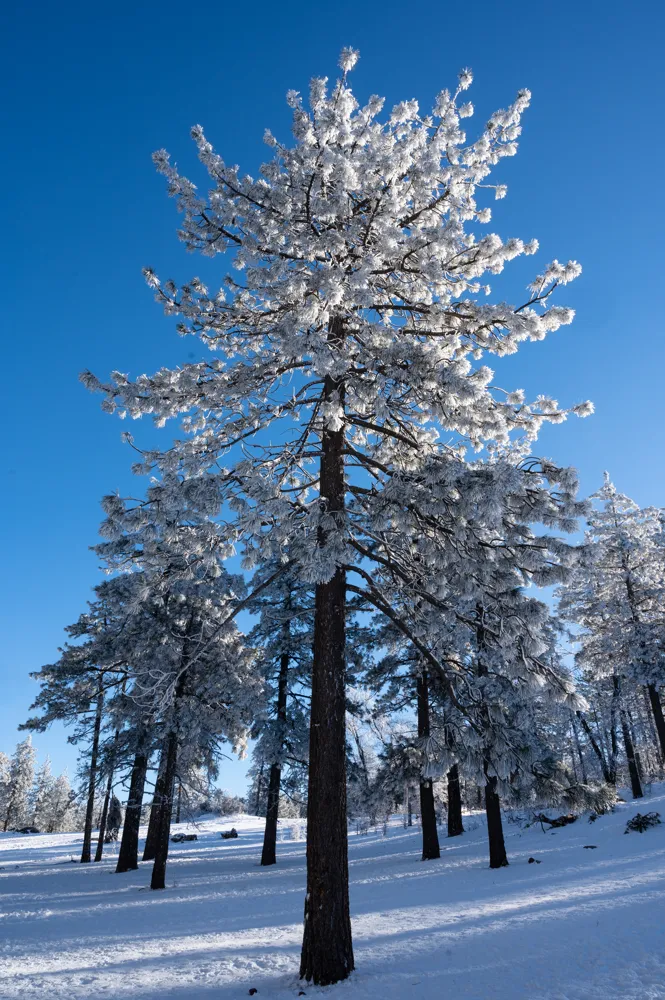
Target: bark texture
column 92, row 778
column 269, row 852
column 129, row 845
column 102, row 821
column 327, row 950
column 150, row 847
column 498, row 857
column 158, row 879
column 431, row 848
column 631, row 757
column 657, row 709
column 455, row 825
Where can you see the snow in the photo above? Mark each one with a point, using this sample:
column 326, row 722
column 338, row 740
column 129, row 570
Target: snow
column 582, row 925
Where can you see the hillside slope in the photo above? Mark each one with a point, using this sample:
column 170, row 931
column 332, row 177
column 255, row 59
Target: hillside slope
column 581, row 925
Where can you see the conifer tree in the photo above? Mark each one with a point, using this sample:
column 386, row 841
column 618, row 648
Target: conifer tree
column 615, row 599
column 20, row 782
column 349, row 331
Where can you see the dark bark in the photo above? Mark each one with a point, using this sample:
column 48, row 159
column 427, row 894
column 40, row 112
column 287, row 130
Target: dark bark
column 129, row 844
column 150, row 846
column 92, row 778
column 657, row 709
column 107, row 798
column 635, row 783
column 158, row 880
column 102, row 822
column 576, row 739
column 498, row 857
column 596, row 749
column 269, row 853
column 633, row 736
column 259, row 790
column 327, row 950
column 431, row 848
column 455, row 825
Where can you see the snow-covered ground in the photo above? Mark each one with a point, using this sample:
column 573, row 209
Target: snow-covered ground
column 583, row 924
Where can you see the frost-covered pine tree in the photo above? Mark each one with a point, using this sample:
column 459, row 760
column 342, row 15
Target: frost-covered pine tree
column 450, row 571
column 60, row 808
column 343, row 346
column 616, row 599
column 189, row 669
column 44, row 782
column 4, row 784
column 20, row 781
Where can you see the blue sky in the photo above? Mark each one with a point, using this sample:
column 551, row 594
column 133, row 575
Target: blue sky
column 93, row 89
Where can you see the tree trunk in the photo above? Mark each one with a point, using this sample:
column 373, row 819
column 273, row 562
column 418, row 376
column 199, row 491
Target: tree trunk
column 158, row 880
column 129, row 845
column 633, row 735
column 102, row 822
column 614, row 743
column 498, row 858
column 596, row 749
column 327, row 950
column 455, row 825
column 431, row 848
column 259, row 789
column 657, row 709
column 150, row 846
column 269, row 853
column 179, row 803
column 576, row 739
column 92, row 779
column 635, row 783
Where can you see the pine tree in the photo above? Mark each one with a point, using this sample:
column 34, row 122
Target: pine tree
column 351, row 336
column 615, row 599
column 42, row 795
column 19, row 784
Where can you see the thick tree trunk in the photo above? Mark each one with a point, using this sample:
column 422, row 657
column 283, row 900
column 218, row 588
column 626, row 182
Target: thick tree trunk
column 657, row 709
column 269, row 853
column 129, row 844
column 92, row 779
column 102, row 822
column 431, row 848
column 455, row 825
column 635, row 783
column 498, row 857
column 327, row 950
column 158, row 880
column 150, row 846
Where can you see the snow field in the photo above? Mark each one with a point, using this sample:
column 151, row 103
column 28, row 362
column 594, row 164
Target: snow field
column 582, row 925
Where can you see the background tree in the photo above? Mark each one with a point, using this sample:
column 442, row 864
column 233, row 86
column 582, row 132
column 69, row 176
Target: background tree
column 20, row 780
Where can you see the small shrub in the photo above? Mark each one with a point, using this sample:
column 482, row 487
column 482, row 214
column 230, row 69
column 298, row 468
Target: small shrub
column 642, row 821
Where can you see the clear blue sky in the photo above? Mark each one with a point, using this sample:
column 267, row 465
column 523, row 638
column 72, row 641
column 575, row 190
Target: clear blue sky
column 91, row 90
